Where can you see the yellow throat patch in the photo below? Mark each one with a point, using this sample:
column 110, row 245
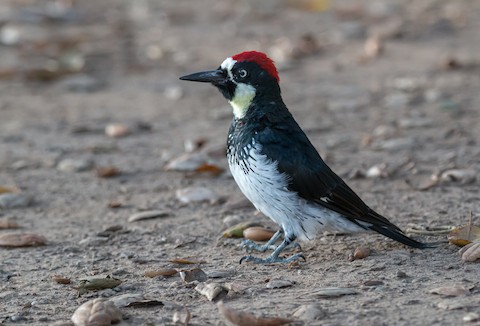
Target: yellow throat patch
column 241, row 101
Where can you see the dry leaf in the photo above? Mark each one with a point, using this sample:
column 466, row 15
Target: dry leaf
column 147, row 215
column 464, row 235
column 434, row 230
column 107, row 172
column 212, row 290
column 257, row 233
column 450, row 291
column 97, row 312
column 209, row 168
column 471, row 252
column 240, row 318
column 134, row 300
column 161, row 272
column 22, row 240
column 333, row 292
column 236, row 231
column 8, row 224
column 183, row 261
column 61, row 279
column 4, row 190
column 95, row 284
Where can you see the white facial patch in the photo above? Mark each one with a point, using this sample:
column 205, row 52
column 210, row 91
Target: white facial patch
column 242, row 99
column 228, row 64
column 244, row 93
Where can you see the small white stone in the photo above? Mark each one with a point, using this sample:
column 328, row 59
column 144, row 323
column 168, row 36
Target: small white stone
column 75, row 165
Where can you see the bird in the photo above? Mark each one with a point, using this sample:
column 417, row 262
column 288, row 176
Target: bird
column 278, row 169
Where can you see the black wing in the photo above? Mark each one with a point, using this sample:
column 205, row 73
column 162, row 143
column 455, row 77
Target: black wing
column 312, row 179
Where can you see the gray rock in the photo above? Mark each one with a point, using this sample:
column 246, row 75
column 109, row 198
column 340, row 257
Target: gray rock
column 15, row 200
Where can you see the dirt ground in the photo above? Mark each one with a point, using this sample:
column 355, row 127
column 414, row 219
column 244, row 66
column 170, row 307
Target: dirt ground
column 386, row 84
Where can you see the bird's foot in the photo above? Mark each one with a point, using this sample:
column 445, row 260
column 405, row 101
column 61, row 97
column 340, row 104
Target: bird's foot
column 272, row 259
column 250, row 246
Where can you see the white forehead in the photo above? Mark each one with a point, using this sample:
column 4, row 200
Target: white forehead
column 228, row 64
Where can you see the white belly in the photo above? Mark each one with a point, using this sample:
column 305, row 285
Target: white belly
column 267, row 189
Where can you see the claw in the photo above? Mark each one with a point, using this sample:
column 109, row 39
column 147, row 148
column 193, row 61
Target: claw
column 272, row 259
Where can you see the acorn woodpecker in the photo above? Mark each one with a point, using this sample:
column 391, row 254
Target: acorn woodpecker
column 278, row 169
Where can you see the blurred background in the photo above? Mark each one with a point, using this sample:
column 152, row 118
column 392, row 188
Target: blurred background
column 95, row 126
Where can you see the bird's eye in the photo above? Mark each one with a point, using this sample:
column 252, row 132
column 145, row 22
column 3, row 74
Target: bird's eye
column 242, row 73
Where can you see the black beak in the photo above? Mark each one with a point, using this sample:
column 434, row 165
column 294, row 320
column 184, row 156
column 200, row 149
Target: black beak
column 215, row 77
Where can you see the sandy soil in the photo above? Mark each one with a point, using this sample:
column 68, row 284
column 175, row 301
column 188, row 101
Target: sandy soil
column 412, row 109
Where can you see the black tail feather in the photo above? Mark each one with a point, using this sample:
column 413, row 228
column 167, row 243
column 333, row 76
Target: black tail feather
column 399, row 236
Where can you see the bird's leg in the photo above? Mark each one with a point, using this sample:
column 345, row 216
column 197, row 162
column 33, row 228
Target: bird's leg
column 289, row 239
column 250, row 246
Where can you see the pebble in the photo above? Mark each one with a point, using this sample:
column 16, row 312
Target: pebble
column 278, row 284
column 232, row 220
column 397, row 100
column 75, row 165
column 352, row 30
column 384, row 131
column 192, row 275
column 470, row 252
column 17, row 318
column 21, row 164
column 310, row 312
column 81, row 83
column 197, row 195
column 93, row 241
column 432, row 95
column 173, row 93
column 373, row 283
column 450, row 291
column 471, row 317
column 187, row 162
column 117, row 130
column 181, row 317
column 406, row 84
column 401, row 274
column 394, row 144
column 415, row 123
column 377, row 171
column 464, row 176
column 15, row 200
